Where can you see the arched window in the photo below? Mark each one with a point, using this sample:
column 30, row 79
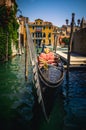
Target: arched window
column 32, row 34
column 49, row 35
column 49, row 42
column 44, row 27
column 44, row 35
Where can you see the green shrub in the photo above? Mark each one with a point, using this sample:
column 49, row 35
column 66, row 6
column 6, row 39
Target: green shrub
column 8, row 25
column 65, row 40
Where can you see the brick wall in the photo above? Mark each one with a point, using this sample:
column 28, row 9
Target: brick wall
column 79, row 42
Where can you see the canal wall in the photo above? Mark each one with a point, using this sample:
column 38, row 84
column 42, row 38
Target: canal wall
column 79, row 42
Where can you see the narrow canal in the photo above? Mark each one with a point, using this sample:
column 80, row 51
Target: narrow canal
column 17, row 100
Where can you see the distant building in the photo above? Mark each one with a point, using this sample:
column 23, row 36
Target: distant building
column 79, row 39
column 22, row 29
column 42, row 32
column 79, row 42
column 83, row 23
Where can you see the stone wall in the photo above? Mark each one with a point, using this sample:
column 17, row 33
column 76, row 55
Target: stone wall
column 79, row 42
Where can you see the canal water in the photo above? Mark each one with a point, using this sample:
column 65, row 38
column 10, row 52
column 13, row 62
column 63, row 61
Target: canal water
column 17, row 100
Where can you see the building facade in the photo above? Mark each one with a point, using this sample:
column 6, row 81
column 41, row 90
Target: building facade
column 42, row 32
column 79, row 39
column 22, row 30
column 83, row 23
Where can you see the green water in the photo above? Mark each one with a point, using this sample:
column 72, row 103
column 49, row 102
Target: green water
column 16, row 95
column 20, row 111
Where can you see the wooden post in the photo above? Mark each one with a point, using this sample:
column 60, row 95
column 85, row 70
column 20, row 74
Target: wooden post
column 26, row 54
column 6, row 47
column 68, row 59
column 19, row 44
column 26, row 61
column 70, row 44
column 55, row 42
column 56, row 37
column 72, row 30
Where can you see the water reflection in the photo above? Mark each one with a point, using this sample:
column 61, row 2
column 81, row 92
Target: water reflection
column 16, row 95
column 69, row 110
column 17, row 101
column 74, row 104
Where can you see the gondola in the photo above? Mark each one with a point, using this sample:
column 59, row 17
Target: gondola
column 51, row 77
column 51, row 74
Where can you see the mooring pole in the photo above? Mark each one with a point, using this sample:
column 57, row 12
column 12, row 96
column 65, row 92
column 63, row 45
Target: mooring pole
column 26, row 61
column 70, row 44
column 55, row 42
column 26, row 54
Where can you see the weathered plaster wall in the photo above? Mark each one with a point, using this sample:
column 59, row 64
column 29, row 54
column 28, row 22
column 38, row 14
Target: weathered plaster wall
column 79, row 42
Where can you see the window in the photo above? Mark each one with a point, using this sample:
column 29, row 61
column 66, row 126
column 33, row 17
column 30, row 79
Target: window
column 44, row 27
column 38, row 34
column 44, row 35
column 49, row 35
column 32, row 34
column 49, row 27
column 49, row 42
column 43, row 41
column 39, row 27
